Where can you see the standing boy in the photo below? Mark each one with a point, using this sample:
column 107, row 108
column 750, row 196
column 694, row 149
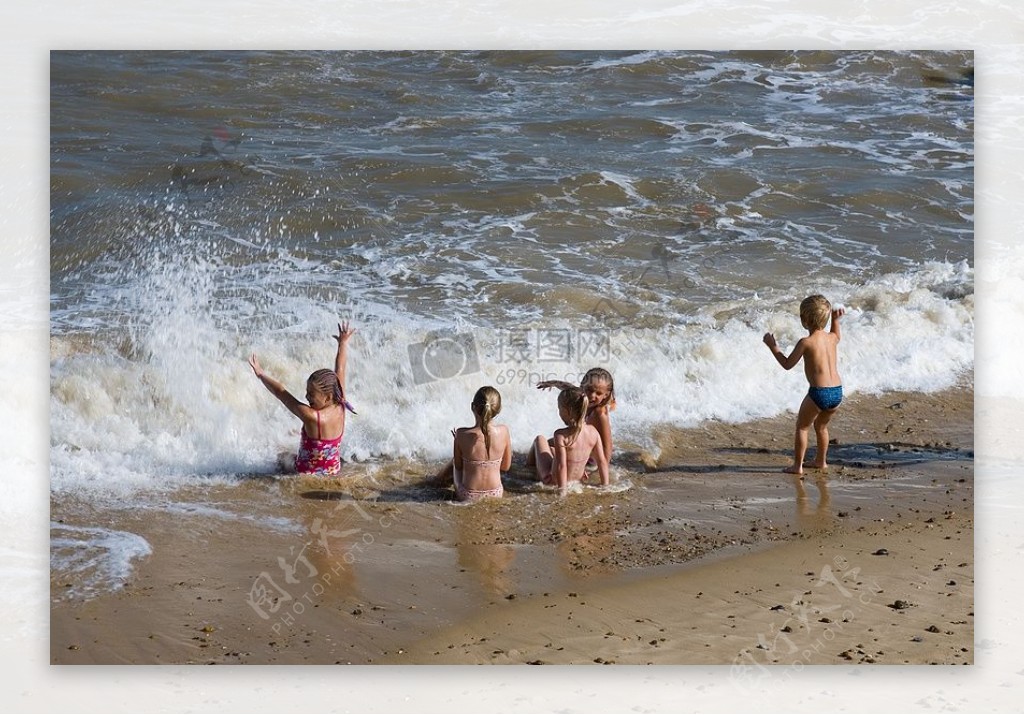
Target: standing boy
column 818, row 351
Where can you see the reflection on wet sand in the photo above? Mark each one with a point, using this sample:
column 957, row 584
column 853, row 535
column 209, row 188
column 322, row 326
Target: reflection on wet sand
column 489, row 562
column 810, row 517
column 339, row 529
column 565, row 538
column 334, row 539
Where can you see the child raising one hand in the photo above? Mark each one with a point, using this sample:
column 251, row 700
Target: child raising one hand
column 564, row 460
column 323, row 418
column 599, row 387
column 818, row 351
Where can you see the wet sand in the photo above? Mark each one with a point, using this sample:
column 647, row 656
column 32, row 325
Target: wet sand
column 711, row 555
column 898, row 593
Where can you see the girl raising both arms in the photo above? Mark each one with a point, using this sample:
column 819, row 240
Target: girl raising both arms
column 323, row 418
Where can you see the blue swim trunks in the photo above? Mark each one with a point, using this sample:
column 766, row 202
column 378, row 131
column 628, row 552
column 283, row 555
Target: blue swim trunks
column 826, row 398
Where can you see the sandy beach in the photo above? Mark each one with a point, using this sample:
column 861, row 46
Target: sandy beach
column 707, row 554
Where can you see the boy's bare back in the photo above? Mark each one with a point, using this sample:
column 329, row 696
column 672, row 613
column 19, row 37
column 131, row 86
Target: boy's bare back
column 819, row 353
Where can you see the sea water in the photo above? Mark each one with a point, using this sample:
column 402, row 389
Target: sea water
column 482, row 218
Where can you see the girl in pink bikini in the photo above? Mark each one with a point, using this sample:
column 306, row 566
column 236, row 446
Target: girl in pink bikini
column 564, row 459
column 482, row 452
column 323, row 419
column 599, row 387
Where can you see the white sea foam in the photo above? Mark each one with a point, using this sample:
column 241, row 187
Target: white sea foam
column 625, row 183
column 206, row 512
column 638, row 58
column 88, row 561
column 188, row 406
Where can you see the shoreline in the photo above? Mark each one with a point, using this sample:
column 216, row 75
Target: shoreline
column 372, row 576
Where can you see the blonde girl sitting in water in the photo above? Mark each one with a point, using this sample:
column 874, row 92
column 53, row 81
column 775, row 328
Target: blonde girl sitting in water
column 599, row 387
column 482, row 452
column 323, row 419
column 564, row 460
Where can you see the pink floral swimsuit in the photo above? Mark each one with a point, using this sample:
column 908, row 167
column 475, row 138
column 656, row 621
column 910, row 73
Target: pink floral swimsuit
column 318, row 456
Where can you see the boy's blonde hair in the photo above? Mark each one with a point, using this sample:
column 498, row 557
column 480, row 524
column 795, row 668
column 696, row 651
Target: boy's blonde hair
column 815, row 310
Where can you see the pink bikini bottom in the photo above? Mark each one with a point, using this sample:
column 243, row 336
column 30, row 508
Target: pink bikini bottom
column 476, row 494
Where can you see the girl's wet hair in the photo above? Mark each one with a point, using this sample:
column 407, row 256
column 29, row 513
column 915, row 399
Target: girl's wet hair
column 487, row 404
column 326, row 381
column 599, row 374
column 574, row 401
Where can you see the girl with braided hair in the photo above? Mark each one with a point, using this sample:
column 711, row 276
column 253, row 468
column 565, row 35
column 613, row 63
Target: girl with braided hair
column 323, row 418
column 480, row 453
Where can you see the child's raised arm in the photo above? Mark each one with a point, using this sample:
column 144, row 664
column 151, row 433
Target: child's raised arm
column 341, row 359
column 793, row 358
column 836, row 315
column 278, row 390
column 548, row 384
